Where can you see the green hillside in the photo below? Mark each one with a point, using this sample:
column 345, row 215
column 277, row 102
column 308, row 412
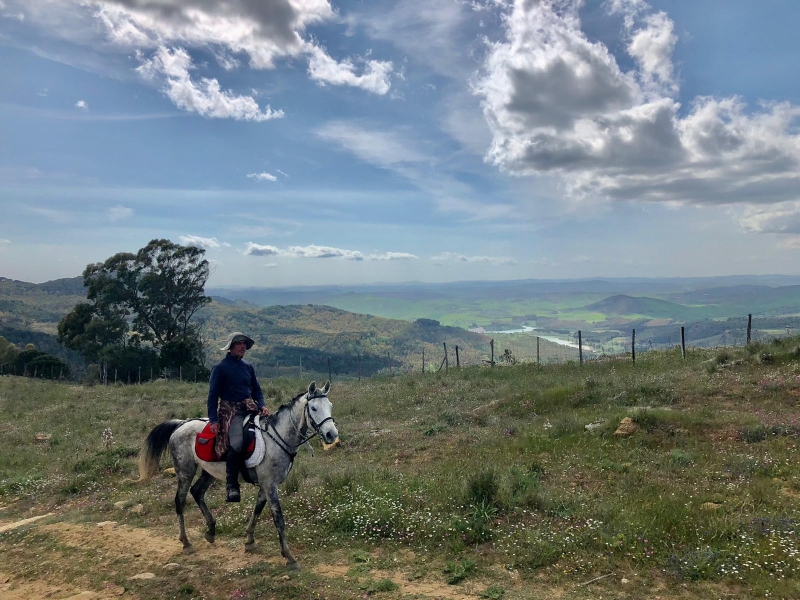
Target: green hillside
column 480, row 483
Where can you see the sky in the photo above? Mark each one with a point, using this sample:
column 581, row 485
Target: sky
column 348, row 142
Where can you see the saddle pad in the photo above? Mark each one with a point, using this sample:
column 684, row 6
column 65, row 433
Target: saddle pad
column 257, row 454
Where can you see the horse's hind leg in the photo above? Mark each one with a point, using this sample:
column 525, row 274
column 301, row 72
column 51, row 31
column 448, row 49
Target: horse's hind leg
column 261, row 502
column 280, row 525
column 199, row 494
column 184, row 481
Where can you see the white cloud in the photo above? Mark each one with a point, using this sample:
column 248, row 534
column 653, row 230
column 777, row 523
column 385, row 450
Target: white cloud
column 558, row 103
column 119, row 212
column 171, row 68
column 82, row 105
column 783, row 217
column 258, row 32
column 455, row 257
column 311, row 251
column 271, row 265
column 393, row 256
column 200, row 242
column 4, row 241
column 262, row 176
column 379, row 147
column 314, row 251
column 59, row 216
column 324, row 69
column 259, row 250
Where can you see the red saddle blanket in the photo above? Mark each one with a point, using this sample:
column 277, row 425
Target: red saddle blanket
column 204, row 446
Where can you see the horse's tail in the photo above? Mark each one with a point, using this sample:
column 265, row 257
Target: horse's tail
column 154, row 446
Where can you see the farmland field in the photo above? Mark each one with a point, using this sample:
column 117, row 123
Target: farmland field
column 476, row 483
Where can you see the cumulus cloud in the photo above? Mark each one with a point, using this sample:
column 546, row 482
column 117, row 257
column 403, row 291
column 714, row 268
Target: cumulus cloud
column 314, row 251
column 558, row 103
column 259, row 250
column 445, row 257
column 119, row 212
column 783, row 217
column 325, row 70
column 311, row 251
column 393, row 256
column 253, row 31
column 171, row 68
column 82, row 105
column 201, row 242
column 262, row 176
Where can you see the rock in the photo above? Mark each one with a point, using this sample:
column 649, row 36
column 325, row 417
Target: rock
column 626, row 428
column 594, row 425
column 144, row 576
column 710, row 506
column 172, row 566
column 44, row 437
column 114, row 589
column 138, row 509
column 623, row 581
column 170, row 472
column 106, row 523
column 121, row 504
column 286, row 578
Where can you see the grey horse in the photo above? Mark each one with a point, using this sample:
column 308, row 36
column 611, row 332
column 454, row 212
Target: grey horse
column 295, row 422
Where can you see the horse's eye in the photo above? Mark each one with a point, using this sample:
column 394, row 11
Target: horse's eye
column 314, row 408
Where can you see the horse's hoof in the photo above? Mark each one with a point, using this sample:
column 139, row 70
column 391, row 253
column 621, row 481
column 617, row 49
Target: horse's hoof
column 293, row 566
column 209, row 538
column 189, row 550
column 250, row 547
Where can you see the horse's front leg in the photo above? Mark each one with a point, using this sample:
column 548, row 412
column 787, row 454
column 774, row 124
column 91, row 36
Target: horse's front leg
column 277, row 518
column 261, row 502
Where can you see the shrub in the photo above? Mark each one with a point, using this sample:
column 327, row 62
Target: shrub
column 483, row 487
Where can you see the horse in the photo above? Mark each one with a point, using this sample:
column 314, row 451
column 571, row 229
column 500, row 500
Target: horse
column 282, row 433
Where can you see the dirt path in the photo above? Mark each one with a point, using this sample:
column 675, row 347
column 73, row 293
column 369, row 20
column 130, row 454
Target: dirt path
column 146, row 552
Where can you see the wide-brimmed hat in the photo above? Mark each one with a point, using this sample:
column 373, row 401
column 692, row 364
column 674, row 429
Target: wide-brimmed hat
column 237, row 336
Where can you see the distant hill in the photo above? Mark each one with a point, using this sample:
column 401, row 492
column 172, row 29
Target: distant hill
column 630, row 305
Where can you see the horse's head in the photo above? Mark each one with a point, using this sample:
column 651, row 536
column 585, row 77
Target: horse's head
column 318, row 412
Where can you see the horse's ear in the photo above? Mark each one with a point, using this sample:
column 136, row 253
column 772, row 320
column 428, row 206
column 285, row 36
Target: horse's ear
column 312, row 387
column 326, row 387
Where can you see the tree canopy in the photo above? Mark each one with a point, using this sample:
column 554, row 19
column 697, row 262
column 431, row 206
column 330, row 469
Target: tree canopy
column 150, row 296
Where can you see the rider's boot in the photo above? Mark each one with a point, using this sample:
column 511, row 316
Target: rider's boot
column 232, row 493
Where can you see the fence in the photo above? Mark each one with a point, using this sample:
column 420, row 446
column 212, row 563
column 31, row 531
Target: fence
column 533, row 346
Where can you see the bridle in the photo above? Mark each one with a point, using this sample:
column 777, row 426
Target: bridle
column 283, row 444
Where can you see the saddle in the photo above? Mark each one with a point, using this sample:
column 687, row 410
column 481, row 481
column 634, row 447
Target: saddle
column 204, row 442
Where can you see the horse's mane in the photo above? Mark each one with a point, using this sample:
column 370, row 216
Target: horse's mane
column 287, row 406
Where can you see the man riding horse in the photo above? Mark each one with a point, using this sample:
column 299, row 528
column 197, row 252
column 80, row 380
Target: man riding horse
column 233, row 391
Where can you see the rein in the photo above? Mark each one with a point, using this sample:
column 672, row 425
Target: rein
column 282, row 443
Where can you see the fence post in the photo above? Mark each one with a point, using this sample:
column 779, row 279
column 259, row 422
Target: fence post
column 446, row 362
column 423, row 359
column 580, row 347
column 329, row 369
column 491, row 344
column 749, row 327
column 683, row 343
column 359, row 366
column 389, row 363
column 633, row 346
column 537, row 350
column 140, row 374
column 458, row 361
column 180, row 373
column 115, row 377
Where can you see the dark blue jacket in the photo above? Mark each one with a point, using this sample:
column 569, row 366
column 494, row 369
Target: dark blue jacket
column 233, row 380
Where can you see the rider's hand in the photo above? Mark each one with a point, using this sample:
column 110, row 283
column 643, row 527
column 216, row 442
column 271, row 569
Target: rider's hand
column 215, row 428
column 264, row 411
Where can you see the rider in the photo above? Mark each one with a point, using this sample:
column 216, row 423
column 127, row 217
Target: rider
column 235, row 385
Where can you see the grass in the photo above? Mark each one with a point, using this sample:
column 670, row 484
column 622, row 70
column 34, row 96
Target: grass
column 466, row 478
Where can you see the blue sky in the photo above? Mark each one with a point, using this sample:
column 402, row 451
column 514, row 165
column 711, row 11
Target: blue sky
column 315, row 142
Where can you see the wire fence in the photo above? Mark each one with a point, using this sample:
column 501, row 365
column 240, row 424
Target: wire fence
column 527, row 345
